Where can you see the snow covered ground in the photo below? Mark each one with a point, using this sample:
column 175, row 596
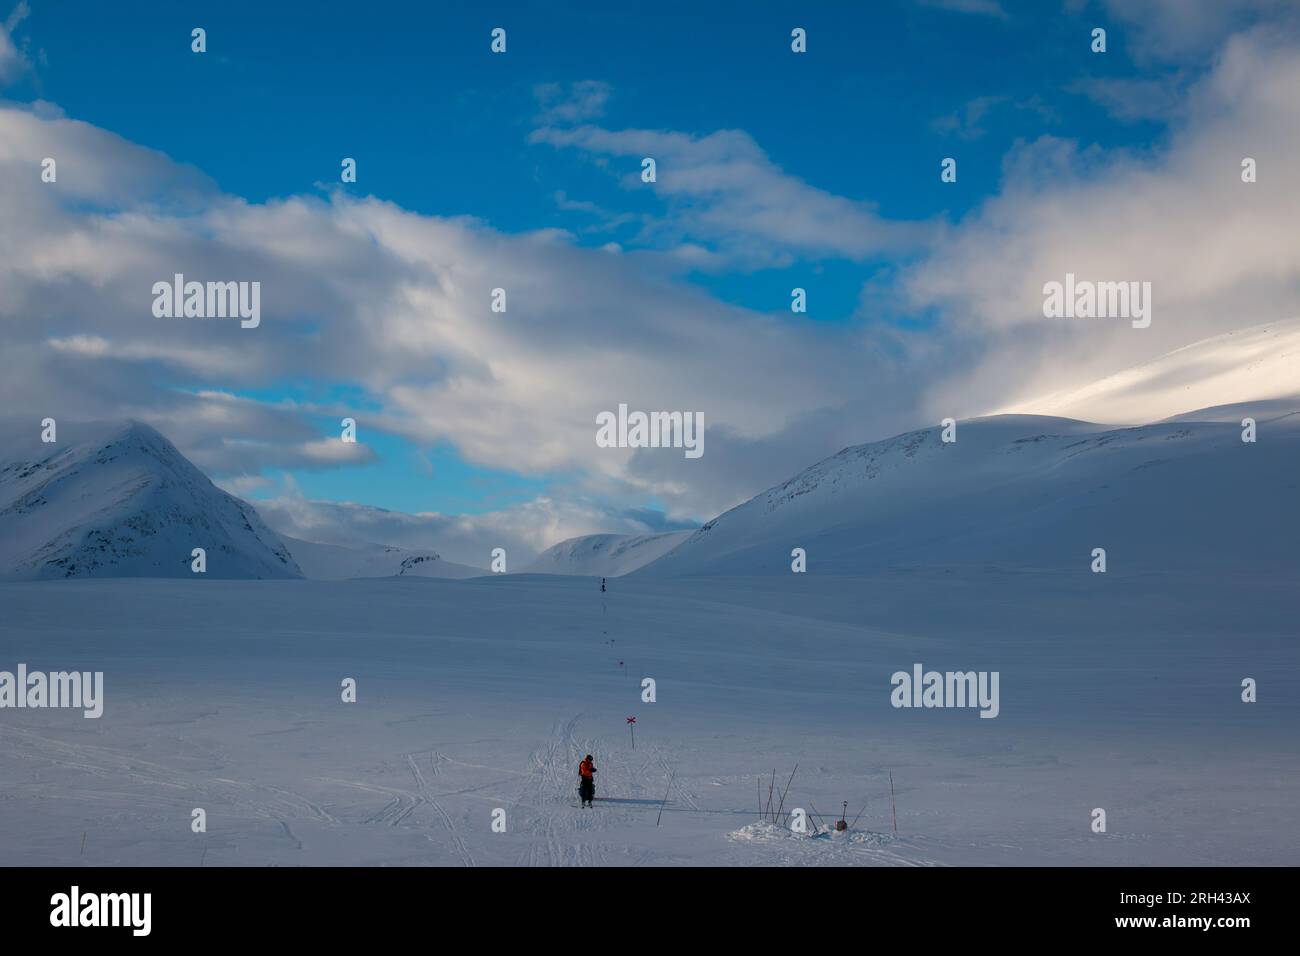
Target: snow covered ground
column 1119, row 691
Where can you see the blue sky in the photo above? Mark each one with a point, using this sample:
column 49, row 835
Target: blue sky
column 548, row 137
column 440, row 125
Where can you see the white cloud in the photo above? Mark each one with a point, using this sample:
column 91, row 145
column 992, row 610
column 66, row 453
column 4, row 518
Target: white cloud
column 394, row 303
column 1220, row 253
column 723, row 189
column 1179, row 30
column 968, row 122
column 523, row 530
column 1160, row 98
column 988, row 8
column 13, row 62
column 571, row 102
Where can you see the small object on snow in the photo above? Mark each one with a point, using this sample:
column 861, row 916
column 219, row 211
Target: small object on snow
column 631, row 721
column 842, row 823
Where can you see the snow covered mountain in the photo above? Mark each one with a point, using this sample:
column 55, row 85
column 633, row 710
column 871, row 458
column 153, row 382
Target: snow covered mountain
column 116, row 499
column 606, row 555
column 1023, row 491
column 332, row 562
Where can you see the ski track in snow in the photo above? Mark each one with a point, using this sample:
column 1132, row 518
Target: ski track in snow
column 260, row 800
column 425, row 796
column 546, row 797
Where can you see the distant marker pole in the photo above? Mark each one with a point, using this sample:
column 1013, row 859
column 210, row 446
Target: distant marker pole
column 631, row 728
column 892, row 809
column 781, row 806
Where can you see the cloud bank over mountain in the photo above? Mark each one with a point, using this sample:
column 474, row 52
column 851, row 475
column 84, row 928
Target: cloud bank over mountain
column 387, row 310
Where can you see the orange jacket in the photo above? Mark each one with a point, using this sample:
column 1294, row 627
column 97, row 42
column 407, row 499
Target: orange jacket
column 586, row 769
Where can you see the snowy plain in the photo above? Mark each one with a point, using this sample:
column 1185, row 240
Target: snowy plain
column 1117, row 691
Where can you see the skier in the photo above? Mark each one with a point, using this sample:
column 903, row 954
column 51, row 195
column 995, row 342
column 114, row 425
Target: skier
column 587, row 781
column 602, row 585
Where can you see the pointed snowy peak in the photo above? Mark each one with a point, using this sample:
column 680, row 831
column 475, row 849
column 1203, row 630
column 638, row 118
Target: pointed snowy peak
column 117, row 499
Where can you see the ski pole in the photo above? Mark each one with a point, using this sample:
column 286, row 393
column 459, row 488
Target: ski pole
column 666, row 792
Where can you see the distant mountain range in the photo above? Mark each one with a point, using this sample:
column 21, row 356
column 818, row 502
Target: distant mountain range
column 1016, row 491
